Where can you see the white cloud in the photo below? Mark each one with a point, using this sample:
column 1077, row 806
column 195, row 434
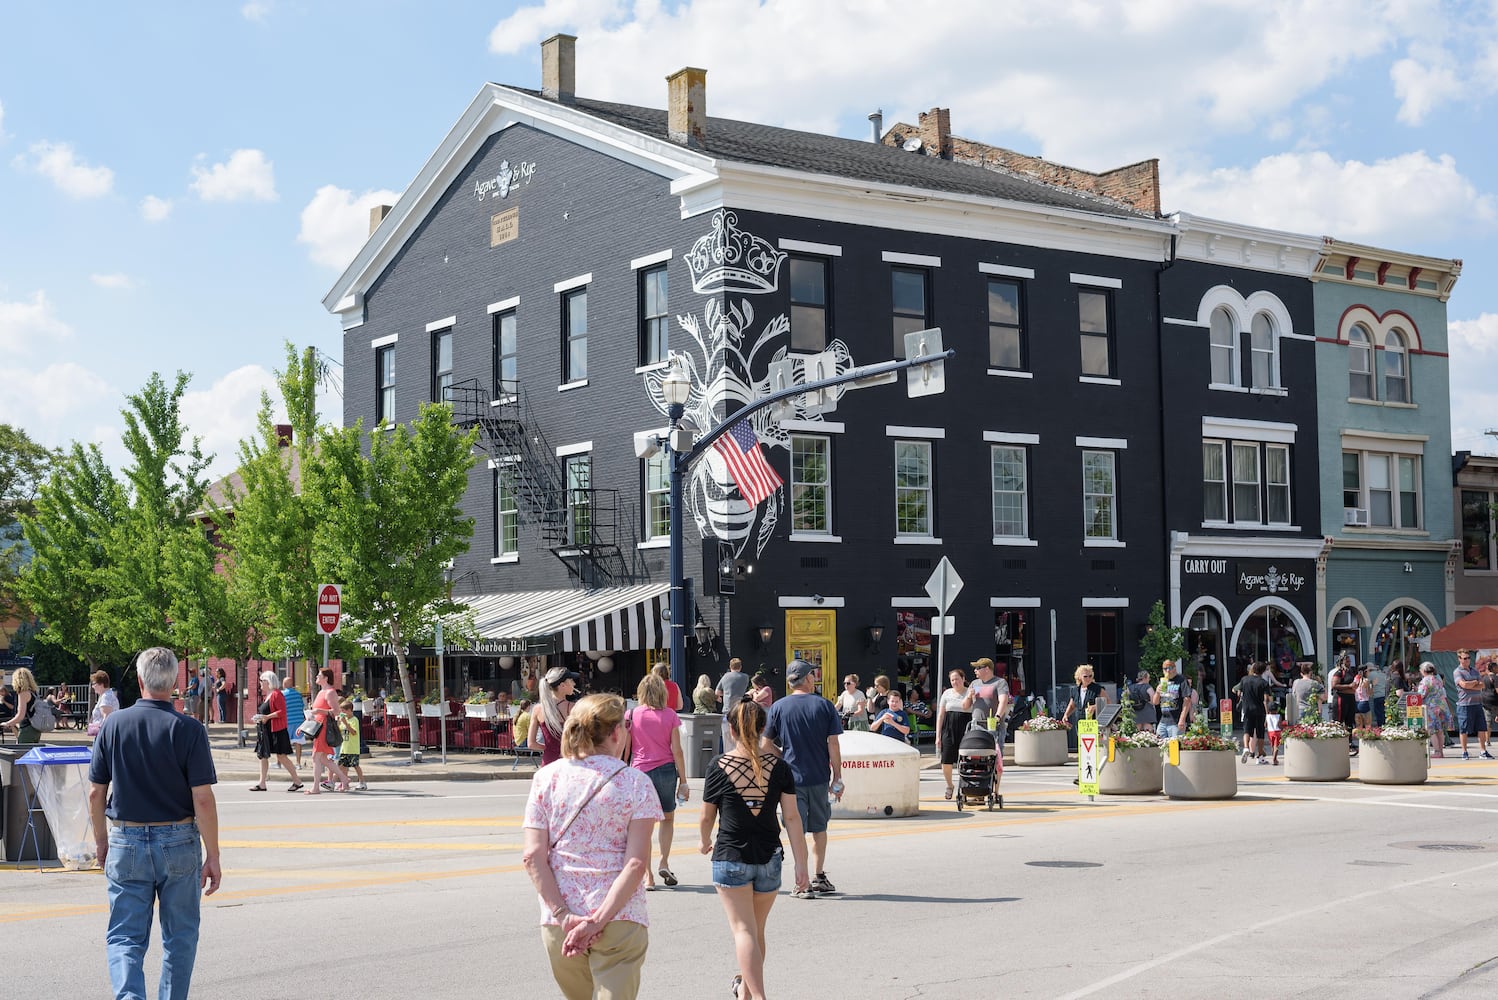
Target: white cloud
column 224, row 413
column 1076, row 81
column 58, row 404
column 154, row 209
column 257, row 12
column 1474, row 347
column 22, row 324
column 246, row 176
column 335, row 223
column 57, row 162
column 116, row 280
column 1421, row 87
column 1407, row 200
column 1473, row 336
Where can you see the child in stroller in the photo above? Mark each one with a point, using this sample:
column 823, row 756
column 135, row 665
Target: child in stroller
column 980, row 763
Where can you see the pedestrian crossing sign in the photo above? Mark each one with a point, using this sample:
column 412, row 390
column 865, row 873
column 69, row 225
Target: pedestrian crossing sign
column 1087, row 756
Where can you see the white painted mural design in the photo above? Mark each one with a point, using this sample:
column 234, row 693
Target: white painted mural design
column 729, row 368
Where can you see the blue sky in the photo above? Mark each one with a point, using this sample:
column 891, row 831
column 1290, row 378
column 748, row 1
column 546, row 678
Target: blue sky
column 180, row 183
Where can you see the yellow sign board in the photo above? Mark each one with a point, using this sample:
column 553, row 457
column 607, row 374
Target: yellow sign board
column 1173, row 752
column 1087, row 756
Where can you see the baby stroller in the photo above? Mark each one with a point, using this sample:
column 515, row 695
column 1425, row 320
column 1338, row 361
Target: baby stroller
column 979, row 766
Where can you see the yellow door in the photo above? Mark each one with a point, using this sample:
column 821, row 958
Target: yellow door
column 811, row 635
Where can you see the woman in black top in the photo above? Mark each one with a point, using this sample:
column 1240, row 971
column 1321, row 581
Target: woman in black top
column 740, row 793
column 1089, row 699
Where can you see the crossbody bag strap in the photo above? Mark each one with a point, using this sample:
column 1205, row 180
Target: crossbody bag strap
column 583, row 805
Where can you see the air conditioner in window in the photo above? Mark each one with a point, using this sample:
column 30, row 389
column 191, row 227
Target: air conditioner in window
column 1355, row 517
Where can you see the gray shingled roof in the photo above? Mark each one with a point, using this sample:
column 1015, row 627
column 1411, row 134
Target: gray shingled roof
column 748, row 142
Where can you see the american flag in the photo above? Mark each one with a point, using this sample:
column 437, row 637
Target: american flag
column 746, row 463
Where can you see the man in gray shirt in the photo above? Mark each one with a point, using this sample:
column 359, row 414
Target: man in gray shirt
column 731, row 689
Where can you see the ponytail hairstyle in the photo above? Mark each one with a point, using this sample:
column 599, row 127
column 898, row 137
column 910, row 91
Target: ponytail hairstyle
column 590, row 723
column 746, row 721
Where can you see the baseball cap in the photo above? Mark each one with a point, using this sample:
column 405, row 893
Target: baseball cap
column 798, row 670
column 982, row 661
column 557, row 676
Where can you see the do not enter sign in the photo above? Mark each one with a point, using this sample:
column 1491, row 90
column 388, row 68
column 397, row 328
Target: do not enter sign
column 329, row 608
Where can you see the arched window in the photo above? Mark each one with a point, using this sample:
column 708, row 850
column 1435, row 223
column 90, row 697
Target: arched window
column 1263, row 345
column 1224, row 349
column 1359, row 363
column 1398, row 636
column 1396, row 369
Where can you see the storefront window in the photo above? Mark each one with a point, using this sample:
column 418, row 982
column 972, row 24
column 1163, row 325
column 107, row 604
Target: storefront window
column 1269, row 635
column 912, row 642
column 1102, row 645
column 1347, row 635
column 1397, row 634
column 1011, row 637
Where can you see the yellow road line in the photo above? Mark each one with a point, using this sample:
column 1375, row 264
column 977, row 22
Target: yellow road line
column 380, row 845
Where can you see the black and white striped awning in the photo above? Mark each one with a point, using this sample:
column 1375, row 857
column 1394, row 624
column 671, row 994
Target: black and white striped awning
column 609, row 619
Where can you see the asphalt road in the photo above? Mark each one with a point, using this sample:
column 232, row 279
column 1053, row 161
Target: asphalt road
column 415, row 889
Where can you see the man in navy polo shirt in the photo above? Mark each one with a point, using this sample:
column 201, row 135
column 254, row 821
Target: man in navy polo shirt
column 151, row 801
column 803, row 727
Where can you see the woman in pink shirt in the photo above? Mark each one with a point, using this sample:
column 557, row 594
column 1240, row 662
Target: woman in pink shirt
column 655, row 749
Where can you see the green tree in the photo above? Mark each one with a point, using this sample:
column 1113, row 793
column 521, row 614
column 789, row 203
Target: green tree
column 24, row 467
column 389, row 523
column 166, row 489
column 62, row 583
column 1162, row 642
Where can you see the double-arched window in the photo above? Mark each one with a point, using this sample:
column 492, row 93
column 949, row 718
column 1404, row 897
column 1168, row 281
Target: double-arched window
column 1237, row 326
column 1378, row 355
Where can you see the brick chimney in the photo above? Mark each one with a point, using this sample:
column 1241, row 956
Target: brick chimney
column 686, row 114
column 376, row 216
column 936, row 132
column 559, row 68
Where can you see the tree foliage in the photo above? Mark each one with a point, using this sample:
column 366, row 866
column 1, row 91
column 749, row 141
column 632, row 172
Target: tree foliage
column 1161, row 642
column 390, row 523
column 24, row 467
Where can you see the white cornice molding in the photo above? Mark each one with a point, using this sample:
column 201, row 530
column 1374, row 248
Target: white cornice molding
column 1393, row 270
column 1184, row 545
column 1231, row 244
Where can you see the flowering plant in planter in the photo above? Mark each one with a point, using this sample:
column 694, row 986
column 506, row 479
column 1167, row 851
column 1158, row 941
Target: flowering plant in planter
column 1391, row 733
column 1199, row 737
column 1138, row 739
column 431, row 698
column 1040, row 724
column 1315, row 731
column 479, row 698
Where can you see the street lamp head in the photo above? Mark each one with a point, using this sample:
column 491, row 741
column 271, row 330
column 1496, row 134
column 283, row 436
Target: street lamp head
column 676, row 388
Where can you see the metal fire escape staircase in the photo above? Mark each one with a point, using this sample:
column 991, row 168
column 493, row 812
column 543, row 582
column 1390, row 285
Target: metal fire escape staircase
column 578, row 524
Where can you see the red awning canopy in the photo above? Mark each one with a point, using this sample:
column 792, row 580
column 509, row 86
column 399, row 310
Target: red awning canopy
column 1478, row 630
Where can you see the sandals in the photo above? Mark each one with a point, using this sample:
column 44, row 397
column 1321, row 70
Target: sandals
column 295, row 788
column 257, row 788
column 667, row 877
column 734, row 986
column 949, row 793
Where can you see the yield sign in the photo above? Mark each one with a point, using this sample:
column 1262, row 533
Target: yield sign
column 329, row 608
column 944, row 585
column 1087, row 744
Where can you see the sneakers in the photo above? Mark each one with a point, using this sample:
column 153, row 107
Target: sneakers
column 1244, row 759
column 820, row 883
column 1486, row 756
column 1264, row 760
column 1466, row 755
column 363, row 787
column 803, row 894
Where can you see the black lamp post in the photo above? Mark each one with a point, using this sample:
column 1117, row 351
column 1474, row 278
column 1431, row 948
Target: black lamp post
column 676, row 388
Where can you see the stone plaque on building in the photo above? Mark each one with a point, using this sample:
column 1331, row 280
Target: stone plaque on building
column 504, row 226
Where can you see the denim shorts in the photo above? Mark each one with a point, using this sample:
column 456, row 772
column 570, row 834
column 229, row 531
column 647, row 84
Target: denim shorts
column 664, row 778
column 1470, row 720
column 765, row 877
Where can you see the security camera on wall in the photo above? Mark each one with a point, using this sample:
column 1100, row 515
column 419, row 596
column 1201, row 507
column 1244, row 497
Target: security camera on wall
column 647, row 444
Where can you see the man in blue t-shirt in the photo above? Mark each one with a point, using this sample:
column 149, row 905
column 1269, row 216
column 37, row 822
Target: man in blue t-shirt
column 803, row 728
column 154, row 819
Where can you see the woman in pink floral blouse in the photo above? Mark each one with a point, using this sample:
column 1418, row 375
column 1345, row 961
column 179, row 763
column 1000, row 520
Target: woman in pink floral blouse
column 588, row 822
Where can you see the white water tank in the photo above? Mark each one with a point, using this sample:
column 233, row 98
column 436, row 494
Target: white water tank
column 881, row 777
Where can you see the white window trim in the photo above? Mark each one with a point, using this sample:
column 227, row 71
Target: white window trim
column 1105, row 444
column 921, row 433
column 812, row 602
column 1005, row 271
column 813, row 426
column 1273, row 432
column 442, row 324
column 912, row 602
column 658, row 257
column 1010, row 373
column 1103, row 543
column 580, row 448
column 1171, row 321
column 1027, row 537
column 1105, row 602
column 818, row 249
column 1251, row 526
column 662, row 542
column 503, row 305
column 803, row 536
column 1258, row 481
column 571, row 283
column 811, row 537
column 917, row 540
column 654, row 366
column 1393, row 444
column 1098, row 380
column 1277, row 390
column 385, row 341
column 1014, row 602
column 1226, row 387
column 508, row 557
column 569, row 386
column 1006, row 437
column 1096, row 280
column 495, row 463
column 1014, row 541
column 914, row 259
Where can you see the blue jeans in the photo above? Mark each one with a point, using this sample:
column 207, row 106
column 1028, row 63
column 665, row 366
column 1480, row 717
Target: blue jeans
column 1379, row 708
column 146, row 865
column 1168, row 730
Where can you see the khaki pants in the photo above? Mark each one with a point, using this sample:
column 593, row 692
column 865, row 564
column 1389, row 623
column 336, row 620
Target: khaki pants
column 611, row 968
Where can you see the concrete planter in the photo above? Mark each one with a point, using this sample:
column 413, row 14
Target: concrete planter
column 1202, row 774
column 1134, row 771
column 1317, row 760
column 1042, row 749
column 1393, row 762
